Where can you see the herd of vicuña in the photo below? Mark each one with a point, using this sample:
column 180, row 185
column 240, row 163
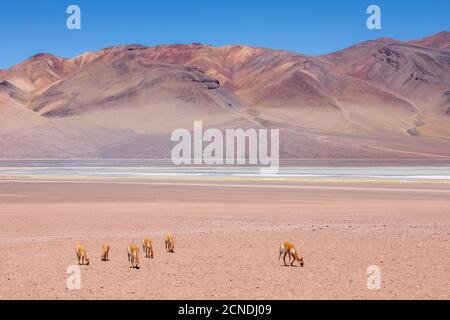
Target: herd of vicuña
column 132, row 251
column 287, row 249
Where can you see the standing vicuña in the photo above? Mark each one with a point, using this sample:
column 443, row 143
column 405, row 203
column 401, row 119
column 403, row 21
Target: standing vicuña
column 82, row 255
column 287, row 248
column 148, row 248
column 170, row 243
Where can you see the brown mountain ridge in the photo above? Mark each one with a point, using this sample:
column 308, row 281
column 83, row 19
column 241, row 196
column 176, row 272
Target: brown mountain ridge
column 378, row 99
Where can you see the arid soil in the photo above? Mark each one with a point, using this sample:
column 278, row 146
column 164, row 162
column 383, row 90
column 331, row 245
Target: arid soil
column 227, row 239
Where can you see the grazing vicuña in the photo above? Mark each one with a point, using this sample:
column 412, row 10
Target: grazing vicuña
column 82, row 255
column 105, row 252
column 133, row 256
column 287, row 248
column 170, row 243
column 148, row 248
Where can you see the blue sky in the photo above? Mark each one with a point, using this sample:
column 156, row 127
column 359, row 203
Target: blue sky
column 310, row 27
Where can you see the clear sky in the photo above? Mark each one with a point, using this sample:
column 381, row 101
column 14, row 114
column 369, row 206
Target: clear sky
column 307, row 26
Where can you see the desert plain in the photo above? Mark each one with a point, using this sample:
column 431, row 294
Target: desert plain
column 228, row 232
column 382, row 102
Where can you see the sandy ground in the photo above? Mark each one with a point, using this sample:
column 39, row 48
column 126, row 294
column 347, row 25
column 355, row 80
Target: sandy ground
column 228, row 235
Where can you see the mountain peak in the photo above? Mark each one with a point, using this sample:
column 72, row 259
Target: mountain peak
column 42, row 55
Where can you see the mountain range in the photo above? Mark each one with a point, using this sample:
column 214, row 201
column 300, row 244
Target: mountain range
column 380, row 99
